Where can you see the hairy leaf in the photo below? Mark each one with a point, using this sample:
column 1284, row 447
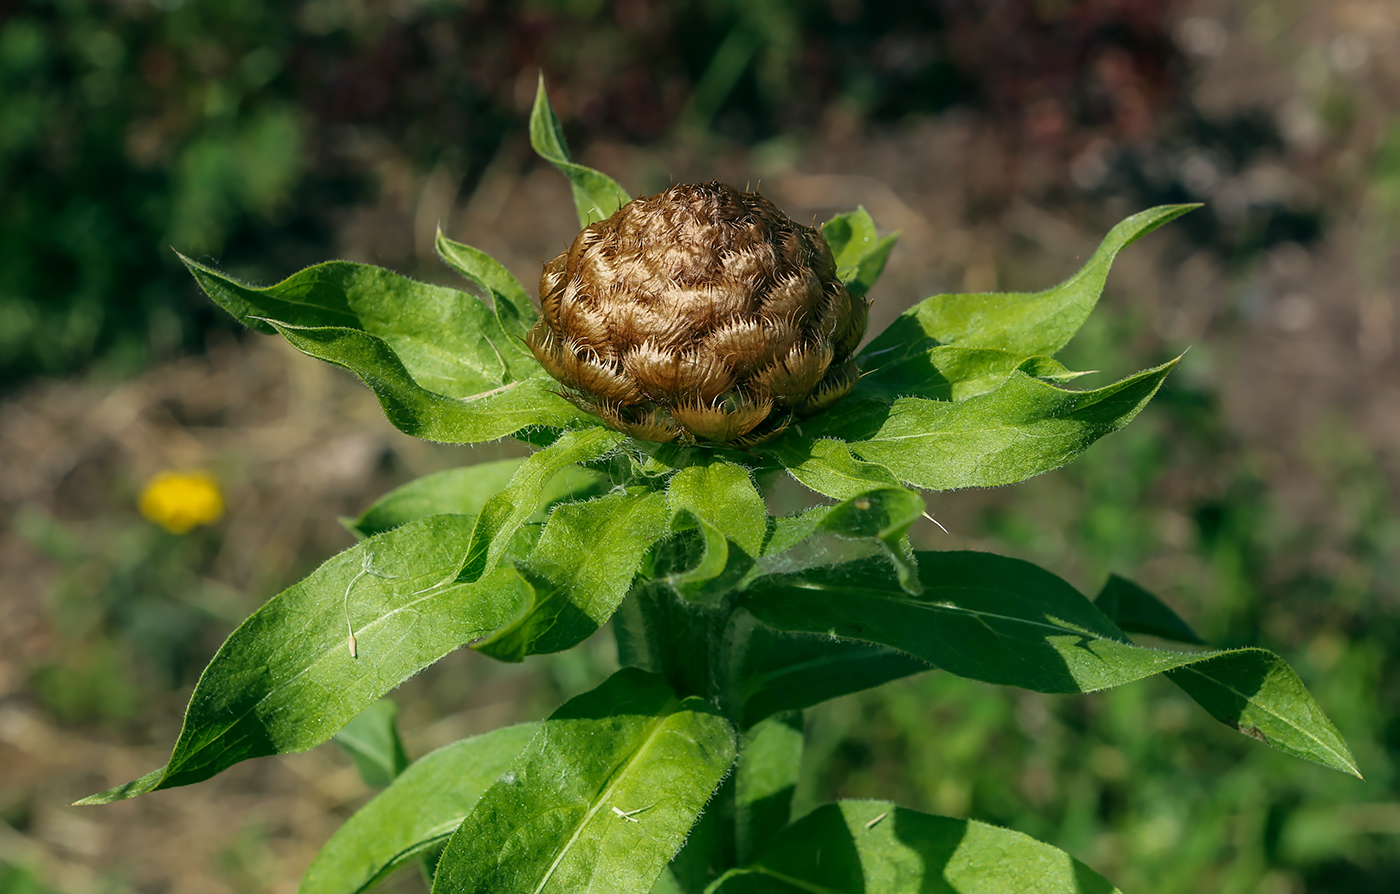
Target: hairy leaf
column 504, row 513
column 373, row 743
column 289, row 677
column 1019, row 322
column 1001, row 620
column 948, row 372
column 883, row 515
column 863, row 847
column 449, row 342
column 717, row 501
column 859, row 251
column 417, row 411
column 596, row 195
column 765, row 779
column 600, row 800
column 580, row 570
column 509, row 299
column 463, row 491
column 781, row 672
column 1020, row 430
column 826, row 466
column 417, row 813
column 1135, row 610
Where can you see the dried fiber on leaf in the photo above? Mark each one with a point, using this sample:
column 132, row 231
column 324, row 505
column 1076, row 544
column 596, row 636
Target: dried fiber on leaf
column 699, row 313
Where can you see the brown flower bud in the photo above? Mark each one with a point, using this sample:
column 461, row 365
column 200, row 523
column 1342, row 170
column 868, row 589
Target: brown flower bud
column 701, row 312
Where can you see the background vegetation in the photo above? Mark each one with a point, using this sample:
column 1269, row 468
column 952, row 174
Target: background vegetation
column 1257, row 495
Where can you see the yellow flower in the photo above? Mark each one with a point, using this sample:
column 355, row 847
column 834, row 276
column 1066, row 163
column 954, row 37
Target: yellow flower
column 177, row 501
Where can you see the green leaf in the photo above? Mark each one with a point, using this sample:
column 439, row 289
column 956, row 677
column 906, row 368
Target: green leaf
column 1022, row 429
column 373, row 743
column 1135, row 610
column 509, row 299
column 765, row 779
column 885, row 516
column 1020, row 322
column 718, row 501
column 286, row 680
column 780, row 672
column 449, row 342
column 502, row 515
column 1000, row 620
column 439, row 360
column 787, row 531
column 463, row 491
column 580, row 571
column 1256, row 693
column 865, row 847
column 601, row 799
column 859, row 252
column 826, row 466
column 415, row 814
column 947, row 372
column 596, row 195
column 414, row 410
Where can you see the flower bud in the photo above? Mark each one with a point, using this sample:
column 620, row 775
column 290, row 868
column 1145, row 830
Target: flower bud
column 699, row 313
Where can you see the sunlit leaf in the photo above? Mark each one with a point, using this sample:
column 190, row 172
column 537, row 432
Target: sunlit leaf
column 859, row 251
column 948, row 372
column 504, row 513
column 580, row 570
column 883, row 515
column 1021, row 429
column 290, row 676
column 1025, row 323
column 463, row 491
column 863, row 847
column 717, row 504
column 826, row 466
column 600, row 800
column 596, row 195
column 373, row 743
column 418, row 812
column 509, row 299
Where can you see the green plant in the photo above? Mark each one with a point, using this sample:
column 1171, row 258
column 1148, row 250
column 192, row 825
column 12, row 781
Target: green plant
column 677, row 773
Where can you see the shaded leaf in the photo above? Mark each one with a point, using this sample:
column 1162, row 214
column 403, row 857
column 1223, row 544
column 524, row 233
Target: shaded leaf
column 863, row 847
column 417, row 813
column 580, row 570
column 859, row 251
column 286, row 680
column 373, row 743
column 509, row 299
column 765, row 778
column 1000, row 620
column 600, row 800
column 1135, row 610
column 1022, row 429
column 1025, row 323
column 781, row 672
column 596, row 195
